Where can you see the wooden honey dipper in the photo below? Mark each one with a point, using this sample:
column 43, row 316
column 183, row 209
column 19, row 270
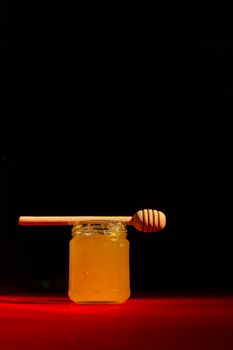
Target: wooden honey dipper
column 146, row 220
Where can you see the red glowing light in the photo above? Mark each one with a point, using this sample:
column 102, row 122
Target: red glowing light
column 54, row 322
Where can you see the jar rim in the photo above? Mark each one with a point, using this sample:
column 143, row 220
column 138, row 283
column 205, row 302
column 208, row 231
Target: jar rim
column 113, row 229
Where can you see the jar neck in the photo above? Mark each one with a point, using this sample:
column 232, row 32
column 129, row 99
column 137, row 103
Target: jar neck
column 108, row 229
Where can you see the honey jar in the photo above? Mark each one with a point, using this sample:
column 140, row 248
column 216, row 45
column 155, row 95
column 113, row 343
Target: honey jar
column 99, row 269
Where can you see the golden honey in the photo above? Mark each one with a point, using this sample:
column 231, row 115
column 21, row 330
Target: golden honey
column 99, row 264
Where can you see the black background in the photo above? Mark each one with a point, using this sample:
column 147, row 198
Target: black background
column 107, row 117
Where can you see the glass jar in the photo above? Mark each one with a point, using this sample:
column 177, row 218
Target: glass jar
column 99, row 263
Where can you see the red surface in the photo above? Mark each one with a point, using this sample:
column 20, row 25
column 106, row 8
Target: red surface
column 53, row 322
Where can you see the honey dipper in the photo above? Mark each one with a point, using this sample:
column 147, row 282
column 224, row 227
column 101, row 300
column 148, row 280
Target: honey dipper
column 146, row 220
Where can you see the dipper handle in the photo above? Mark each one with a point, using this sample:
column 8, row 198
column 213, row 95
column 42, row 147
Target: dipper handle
column 146, row 220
